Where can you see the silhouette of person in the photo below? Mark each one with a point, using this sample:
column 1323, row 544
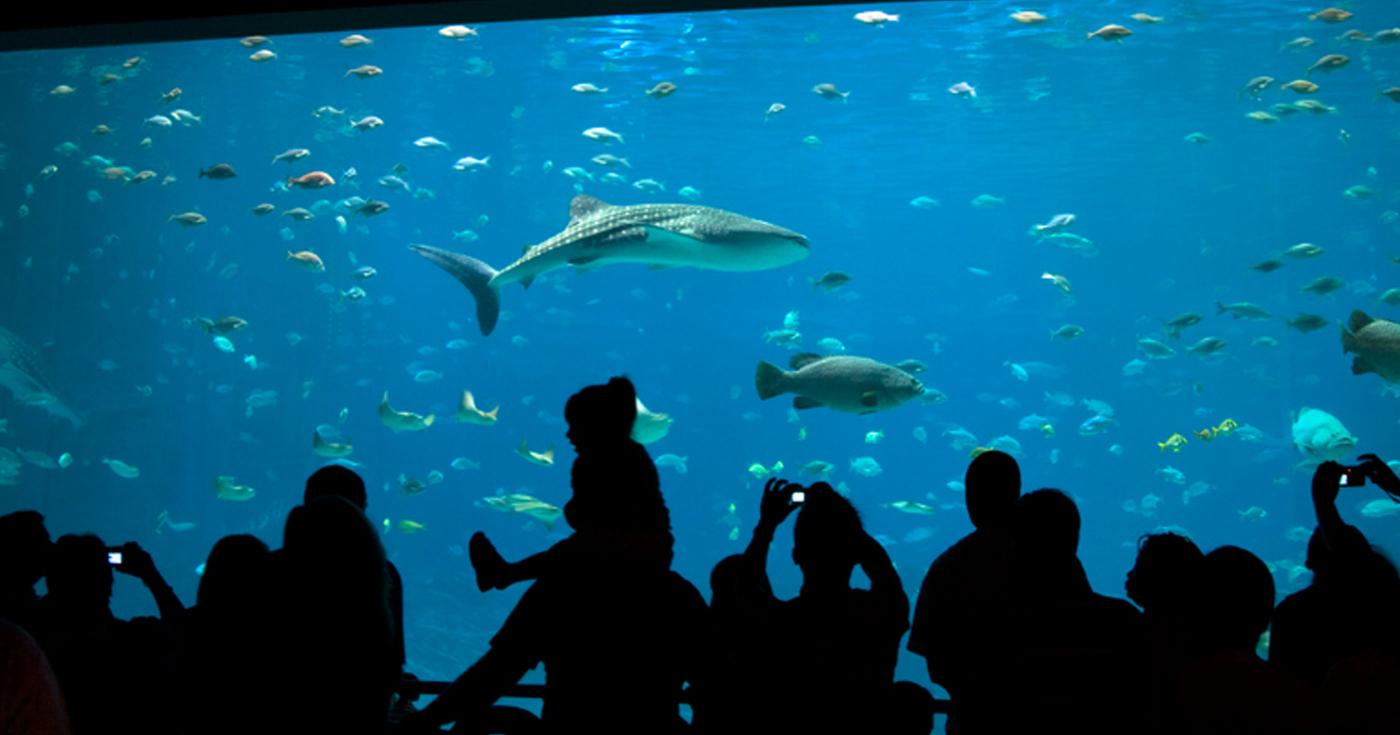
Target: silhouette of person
column 24, row 549
column 342, row 482
column 30, row 700
column 618, row 632
column 830, row 652
column 1073, row 657
column 331, row 630
column 1227, row 688
column 106, row 666
column 220, row 673
column 1335, row 634
column 960, row 617
column 1165, row 583
column 600, row 419
column 1347, row 608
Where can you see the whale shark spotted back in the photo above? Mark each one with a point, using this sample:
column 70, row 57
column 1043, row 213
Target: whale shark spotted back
column 22, row 373
column 659, row 235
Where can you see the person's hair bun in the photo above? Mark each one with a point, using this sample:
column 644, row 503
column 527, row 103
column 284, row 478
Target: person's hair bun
column 621, row 387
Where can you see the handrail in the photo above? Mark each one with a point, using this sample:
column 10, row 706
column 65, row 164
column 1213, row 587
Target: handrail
column 414, row 687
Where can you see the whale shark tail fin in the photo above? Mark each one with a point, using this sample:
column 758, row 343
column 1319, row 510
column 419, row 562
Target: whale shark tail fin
column 475, row 275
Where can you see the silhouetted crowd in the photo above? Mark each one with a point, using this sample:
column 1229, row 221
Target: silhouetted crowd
column 308, row 638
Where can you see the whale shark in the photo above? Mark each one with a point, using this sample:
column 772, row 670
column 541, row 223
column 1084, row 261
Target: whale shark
column 598, row 234
column 22, row 372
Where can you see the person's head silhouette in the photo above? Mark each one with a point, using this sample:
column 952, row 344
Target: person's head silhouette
column 991, row 486
column 336, row 481
column 79, row 573
column 25, row 548
column 1046, row 526
column 601, row 414
column 1237, row 597
column 1167, row 570
column 231, row 571
column 826, row 536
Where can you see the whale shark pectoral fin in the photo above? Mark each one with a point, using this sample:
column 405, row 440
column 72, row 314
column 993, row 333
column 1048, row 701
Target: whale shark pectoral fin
column 475, row 275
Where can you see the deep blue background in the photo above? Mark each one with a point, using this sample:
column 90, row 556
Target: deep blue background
column 1059, row 125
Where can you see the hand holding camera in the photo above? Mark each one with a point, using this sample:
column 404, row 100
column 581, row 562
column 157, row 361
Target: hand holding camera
column 130, row 558
column 780, row 499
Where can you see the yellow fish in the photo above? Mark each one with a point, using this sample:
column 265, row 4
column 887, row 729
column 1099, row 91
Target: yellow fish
column 408, row 526
column 1227, row 426
column 468, row 413
column 1048, row 430
column 1206, row 434
column 543, row 459
column 1174, row 442
column 976, row 451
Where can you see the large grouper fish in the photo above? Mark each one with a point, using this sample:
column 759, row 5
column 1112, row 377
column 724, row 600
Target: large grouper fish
column 840, row 382
column 598, row 234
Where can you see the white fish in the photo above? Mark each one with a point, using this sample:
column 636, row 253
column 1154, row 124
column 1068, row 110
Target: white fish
column 122, row 469
column 457, row 32
column 429, row 141
column 602, row 135
column 673, row 461
column 876, row 17
column 1172, row 475
column 866, row 466
column 586, row 88
column 962, row 89
column 470, row 163
column 1319, row 437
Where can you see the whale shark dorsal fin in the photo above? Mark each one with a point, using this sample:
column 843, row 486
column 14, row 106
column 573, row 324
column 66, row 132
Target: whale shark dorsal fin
column 583, row 205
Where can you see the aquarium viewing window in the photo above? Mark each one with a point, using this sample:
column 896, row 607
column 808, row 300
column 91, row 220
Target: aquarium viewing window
column 1153, row 257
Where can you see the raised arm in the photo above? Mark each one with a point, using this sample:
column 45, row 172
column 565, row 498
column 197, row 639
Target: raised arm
column 1344, row 540
column 139, row 564
column 773, row 508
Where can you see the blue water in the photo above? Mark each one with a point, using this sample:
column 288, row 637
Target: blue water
column 1059, row 124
